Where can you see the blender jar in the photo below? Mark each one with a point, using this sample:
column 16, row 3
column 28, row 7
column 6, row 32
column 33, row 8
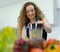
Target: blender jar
column 35, row 30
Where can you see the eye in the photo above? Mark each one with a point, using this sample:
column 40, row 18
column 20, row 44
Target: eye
column 27, row 11
column 32, row 10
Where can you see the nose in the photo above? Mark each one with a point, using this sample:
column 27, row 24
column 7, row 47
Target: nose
column 30, row 13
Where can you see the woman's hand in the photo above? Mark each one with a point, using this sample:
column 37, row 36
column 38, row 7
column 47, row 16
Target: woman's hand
column 46, row 24
column 39, row 22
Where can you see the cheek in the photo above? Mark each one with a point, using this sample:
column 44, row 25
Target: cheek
column 27, row 15
column 33, row 13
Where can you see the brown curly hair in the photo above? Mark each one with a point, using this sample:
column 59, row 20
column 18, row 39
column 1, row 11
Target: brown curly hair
column 24, row 20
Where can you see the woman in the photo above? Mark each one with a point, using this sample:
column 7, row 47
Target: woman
column 30, row 13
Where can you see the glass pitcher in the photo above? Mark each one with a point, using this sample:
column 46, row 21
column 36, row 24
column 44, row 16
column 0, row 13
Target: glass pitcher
column 35, row 30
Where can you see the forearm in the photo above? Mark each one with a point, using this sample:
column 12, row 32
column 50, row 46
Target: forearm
column 47, row 28
column 46, row 25
column 23, row 35
column 25, row 38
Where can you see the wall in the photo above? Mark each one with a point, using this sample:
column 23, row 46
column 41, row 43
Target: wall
column 10, row 13
column 56, row 27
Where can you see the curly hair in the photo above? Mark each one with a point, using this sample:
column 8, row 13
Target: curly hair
column 24, row 20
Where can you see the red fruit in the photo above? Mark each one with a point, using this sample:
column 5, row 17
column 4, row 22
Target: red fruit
column 36, row 50
column 19, row 41
column 52, row 41
column 21, row 46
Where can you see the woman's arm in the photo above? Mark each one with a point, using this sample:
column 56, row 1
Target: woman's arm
column 23, row 34
column 46, row 25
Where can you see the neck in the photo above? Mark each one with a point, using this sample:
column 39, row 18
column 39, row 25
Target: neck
column 32, row 20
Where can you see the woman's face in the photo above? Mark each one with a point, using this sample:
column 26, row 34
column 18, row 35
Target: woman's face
column 30, row 12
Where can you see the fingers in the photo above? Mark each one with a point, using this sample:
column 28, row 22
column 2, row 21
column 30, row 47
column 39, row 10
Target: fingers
column 39, row 22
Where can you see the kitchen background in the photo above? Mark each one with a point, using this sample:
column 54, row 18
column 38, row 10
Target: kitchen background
column 9, row 12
